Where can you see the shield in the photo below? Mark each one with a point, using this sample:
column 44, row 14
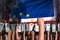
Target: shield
column 47, row 27
column 19, row 27
column 13, row 27
column 31, row 25
column 53, row 27
column 7, row 27
column 23, row 27
column 36, row 29
column 58, row 27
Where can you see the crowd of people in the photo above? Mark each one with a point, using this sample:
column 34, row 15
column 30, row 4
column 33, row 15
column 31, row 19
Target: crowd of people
column 22, row 31
column 9, row 31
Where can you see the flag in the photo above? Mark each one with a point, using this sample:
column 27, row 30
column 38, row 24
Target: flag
column 32, row 9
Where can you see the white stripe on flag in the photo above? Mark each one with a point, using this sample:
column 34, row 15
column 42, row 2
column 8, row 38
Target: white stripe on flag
column 35, row 19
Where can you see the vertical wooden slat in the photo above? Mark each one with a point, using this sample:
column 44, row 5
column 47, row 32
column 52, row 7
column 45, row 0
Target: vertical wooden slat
column 56, row 36
column 40, row 22
column 32, row 32
column 24, row 35
column 9, row 35
column 51, row 36
column 48, row 35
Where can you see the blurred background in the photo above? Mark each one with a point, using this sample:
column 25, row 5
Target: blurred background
column 6, row 6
